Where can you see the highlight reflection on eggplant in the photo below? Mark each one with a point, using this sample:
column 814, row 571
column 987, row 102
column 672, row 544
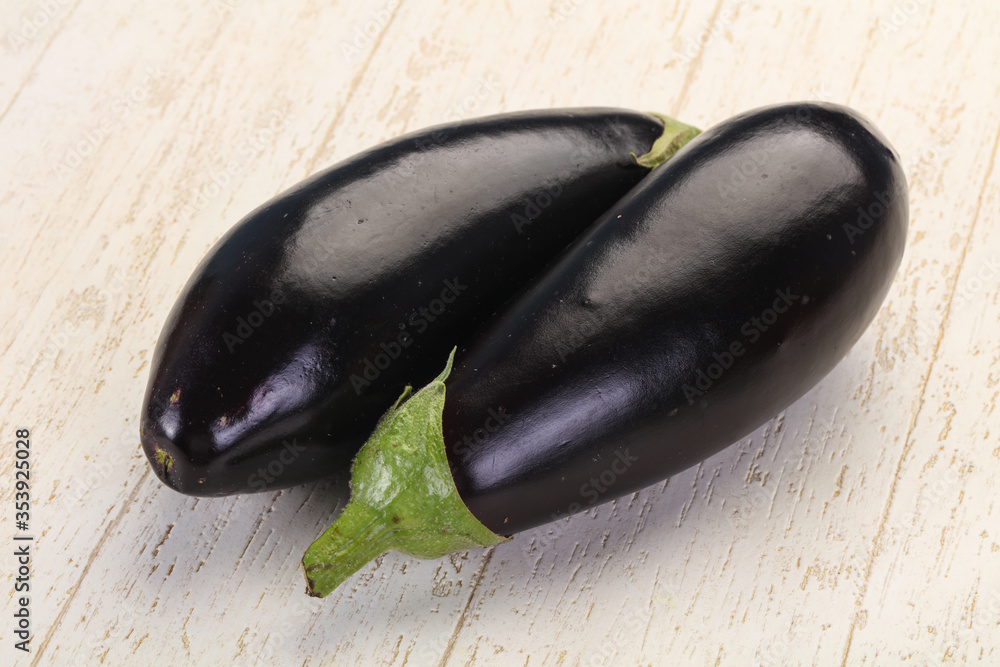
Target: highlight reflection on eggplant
column 707, row 300
column 307, row 319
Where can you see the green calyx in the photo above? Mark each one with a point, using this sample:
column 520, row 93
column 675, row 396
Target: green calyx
column 165, row 460
column 403, row 496
column 675, row 136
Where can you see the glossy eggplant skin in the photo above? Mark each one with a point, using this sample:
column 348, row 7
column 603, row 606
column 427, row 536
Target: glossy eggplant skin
column 716, row 293
column 305, row 322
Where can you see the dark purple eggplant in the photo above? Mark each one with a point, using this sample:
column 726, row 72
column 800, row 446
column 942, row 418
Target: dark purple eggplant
column 307, row 319
column 716, row 293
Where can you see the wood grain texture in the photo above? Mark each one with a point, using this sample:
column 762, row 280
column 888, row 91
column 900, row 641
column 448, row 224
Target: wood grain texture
column 858, row 527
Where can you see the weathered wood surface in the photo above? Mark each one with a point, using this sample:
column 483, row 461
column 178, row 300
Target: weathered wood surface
column 858, row 527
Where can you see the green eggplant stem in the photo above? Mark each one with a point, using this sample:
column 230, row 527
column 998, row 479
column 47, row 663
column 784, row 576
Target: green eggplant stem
column 675, row 136
column 403, row 496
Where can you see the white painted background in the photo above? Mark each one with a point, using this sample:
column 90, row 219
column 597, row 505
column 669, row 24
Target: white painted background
column 859, row 527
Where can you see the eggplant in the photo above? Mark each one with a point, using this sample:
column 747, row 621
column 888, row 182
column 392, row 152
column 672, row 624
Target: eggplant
column 717, row 292
column 307, row 319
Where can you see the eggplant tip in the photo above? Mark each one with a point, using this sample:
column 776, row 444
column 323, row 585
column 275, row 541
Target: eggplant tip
column 165, row 461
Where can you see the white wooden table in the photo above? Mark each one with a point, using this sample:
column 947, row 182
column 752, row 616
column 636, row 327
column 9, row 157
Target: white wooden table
column 860, row 527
